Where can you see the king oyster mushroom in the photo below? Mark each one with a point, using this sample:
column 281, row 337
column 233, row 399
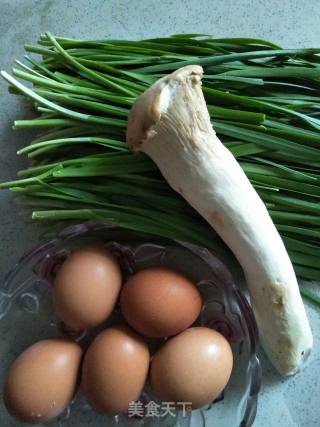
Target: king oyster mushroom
column 171, row 124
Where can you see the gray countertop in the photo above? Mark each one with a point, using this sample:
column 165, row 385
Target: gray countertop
column 293, row 402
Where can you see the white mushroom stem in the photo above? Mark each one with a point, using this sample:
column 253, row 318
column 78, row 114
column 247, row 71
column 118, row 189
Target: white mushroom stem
column 171, row 124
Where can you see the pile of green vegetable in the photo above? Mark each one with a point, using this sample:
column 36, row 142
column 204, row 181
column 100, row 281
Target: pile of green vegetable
column 265, row 106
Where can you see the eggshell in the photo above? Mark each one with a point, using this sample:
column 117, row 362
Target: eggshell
column 160, row 302
column 87, row 287
column 194, row 366
column 114, row 370
column 42, row 380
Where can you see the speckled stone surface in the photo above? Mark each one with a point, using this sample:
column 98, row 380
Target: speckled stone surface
column 293, row 402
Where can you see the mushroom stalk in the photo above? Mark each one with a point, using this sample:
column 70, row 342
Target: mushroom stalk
column 171, row 124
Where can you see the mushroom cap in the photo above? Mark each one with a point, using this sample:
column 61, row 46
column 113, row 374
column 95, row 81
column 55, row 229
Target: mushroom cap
column 147, row 109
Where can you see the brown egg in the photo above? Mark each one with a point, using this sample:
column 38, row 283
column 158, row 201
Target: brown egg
column 194, row 366
column 87, row 287
column 114, row 370
column 42, row 380
column 160, row 302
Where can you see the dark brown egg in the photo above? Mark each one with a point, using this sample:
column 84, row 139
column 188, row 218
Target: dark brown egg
column 160, row 302
column 86, row 288
column 194, row 366
column 42, row 380
column 115, row 369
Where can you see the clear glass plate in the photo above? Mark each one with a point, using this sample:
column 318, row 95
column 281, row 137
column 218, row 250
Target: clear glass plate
column 26, row 315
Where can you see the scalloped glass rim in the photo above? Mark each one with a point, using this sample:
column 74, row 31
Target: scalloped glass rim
column 225, row 308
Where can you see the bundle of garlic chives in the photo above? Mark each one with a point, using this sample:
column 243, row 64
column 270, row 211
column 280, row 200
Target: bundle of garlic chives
column 264, row 101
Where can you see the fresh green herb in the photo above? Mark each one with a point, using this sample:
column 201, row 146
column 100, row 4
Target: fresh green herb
column 264, row 104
